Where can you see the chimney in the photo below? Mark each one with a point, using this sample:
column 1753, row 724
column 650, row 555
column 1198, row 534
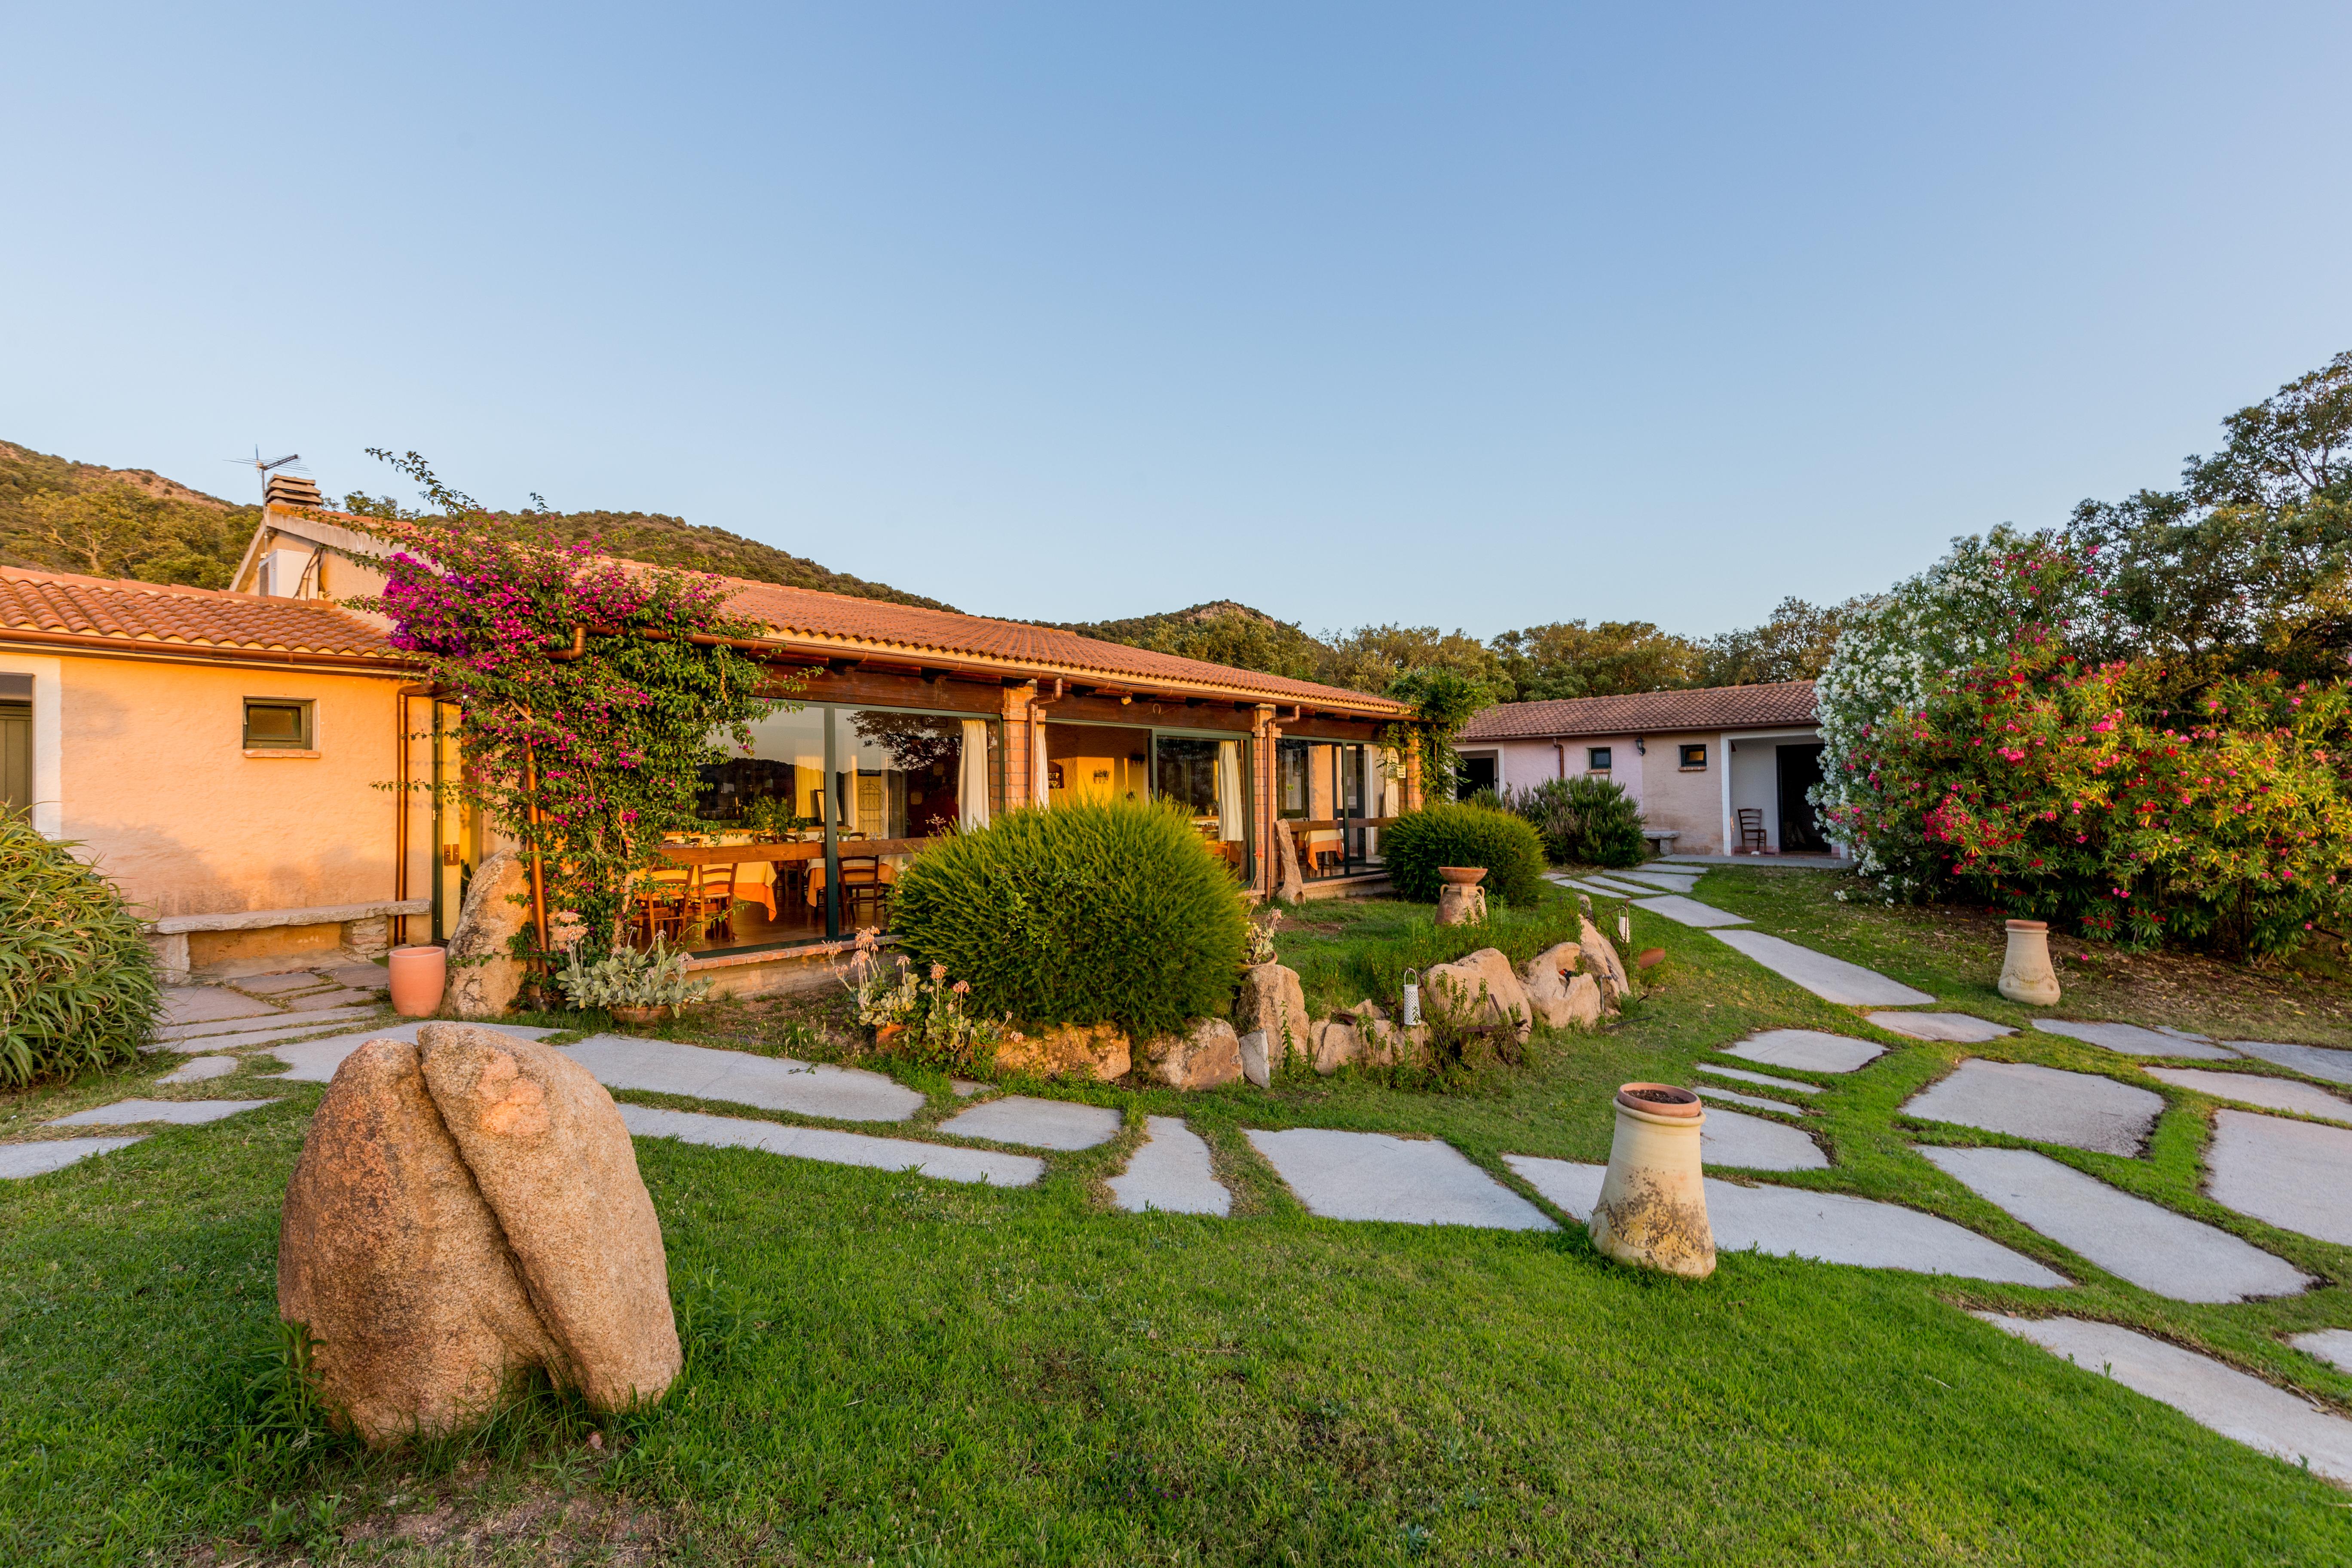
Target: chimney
column 291, row 490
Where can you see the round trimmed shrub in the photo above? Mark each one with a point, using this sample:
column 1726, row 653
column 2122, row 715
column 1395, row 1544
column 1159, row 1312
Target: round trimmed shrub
column 78, row 988
column 1110, row 912
column 1416, row 844
column 1584, row 821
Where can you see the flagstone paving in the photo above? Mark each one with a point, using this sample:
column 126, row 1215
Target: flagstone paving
column 1690, row 912
column 1672, row 883
column 18, row 1161
column 361, row 976
column 1036, row 1123
column 1610, row 889
column 1807, row 1050
column 2043, row 1105
column 205, row 1003
column 2333, row 1346
column 2312, row 1062
column 2232, row 1403
column 315, row 1061
column 2131, row 1040
column 325, row 1001
column 1831, row 979
column 1713, row 1092
column 1961, row 1028
column 1765, row 1079
column 1827, row 1227
column 1734, row 1138
column 2292, row 1174
column 221, row 1031
column 2145, row 1243
column 182, row 1112
column 273, row 984
column 739, row 1078
column 1170, row 1171
column 1410, row 1181
column 197, row 1069
column 2252, row 1088
column 833, row 1147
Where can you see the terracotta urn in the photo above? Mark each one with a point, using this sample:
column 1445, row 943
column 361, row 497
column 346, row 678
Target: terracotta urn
column 1462, row 876
column 1652, row 1207
column 419, row 976
column 2025, row 972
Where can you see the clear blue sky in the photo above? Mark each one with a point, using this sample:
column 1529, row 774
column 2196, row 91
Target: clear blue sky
column 1477, row 315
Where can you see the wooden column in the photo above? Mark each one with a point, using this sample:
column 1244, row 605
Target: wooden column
column 1019, row 736
column 1263, row 857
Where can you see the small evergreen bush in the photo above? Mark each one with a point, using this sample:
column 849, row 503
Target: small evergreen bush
column 1111, row 912
column 1416, row 844
column 78, row 987
column 1584, row 821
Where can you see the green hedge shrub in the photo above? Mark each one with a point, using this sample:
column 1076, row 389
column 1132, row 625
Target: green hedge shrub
column 1090, row 913
column 78, row 987
column 1416, row 844
column 1584, row 822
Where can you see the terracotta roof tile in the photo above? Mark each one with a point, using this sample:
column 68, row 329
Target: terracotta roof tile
column 149, row 614
column 1648, row 712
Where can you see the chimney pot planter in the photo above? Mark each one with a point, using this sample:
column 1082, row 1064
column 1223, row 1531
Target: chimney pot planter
column 1652, row 1207
column 2026, row 975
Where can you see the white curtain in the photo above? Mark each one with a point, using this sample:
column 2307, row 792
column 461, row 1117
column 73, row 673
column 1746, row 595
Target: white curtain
column 972, row 775
column 1229, row 791
column 849, row 823
column 1039, row 791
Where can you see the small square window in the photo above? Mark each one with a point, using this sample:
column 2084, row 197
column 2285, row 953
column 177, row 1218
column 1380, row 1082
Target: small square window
column 1693, row 757
column 1596, row 759
column 277, row 724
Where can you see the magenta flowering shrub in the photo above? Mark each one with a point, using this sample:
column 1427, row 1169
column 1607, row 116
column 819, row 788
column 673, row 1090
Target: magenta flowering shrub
column 591, row 759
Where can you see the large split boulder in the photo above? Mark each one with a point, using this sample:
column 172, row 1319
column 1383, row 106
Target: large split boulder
column 1203, row 1056
column 1607, row 969
column 1097, row 1051
column 464, row 1209
column 1335, row 1043
column 1272, row 1001
column 1559, row 996
column 1481, row 989
column 485, row 977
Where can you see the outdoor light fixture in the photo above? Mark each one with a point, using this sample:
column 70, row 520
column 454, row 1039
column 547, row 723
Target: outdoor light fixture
column 1641, row 747
column 1411, row 997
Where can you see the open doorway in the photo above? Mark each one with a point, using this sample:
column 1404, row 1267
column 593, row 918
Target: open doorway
column 1800, row 770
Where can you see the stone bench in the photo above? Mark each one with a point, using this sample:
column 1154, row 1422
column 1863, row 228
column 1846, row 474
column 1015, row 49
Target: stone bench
column 365, row 930
column 1662, row 839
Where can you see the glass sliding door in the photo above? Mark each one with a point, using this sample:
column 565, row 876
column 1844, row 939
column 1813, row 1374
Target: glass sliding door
column 1202, row 774
column 1332, row 798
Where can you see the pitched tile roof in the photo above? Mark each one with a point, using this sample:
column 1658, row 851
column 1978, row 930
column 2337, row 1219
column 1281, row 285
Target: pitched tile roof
column 136, row 614
column 1648, row 712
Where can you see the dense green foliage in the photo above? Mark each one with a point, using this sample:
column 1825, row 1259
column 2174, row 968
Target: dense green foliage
column 77, row 986
column 1460, row 834
column 1583, row 821
column 1109, row 912
column 61, row 516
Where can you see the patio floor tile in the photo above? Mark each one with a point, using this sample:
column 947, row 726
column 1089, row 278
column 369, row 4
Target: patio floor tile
column 2045, row 1105
column 2333, row 1346
column 1408, row 1181
column 315, row 1061
column 836, row 1148
column 204, row 1003
column 1765, row 1079
column 1711, row 1092
column 224, row 1030
column 197, row 1069
column 1171, row 1173
column 1036, row 1123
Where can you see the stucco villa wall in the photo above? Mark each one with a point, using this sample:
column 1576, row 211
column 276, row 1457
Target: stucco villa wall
column 1689, row 803
column 157, row 787
column 1521, row 765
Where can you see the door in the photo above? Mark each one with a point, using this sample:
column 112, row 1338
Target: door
column 1800, row 770
column 16, row 757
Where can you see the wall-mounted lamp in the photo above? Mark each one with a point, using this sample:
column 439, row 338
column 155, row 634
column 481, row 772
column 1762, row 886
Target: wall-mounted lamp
column 1641, row 747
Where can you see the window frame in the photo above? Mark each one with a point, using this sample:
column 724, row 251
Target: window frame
column 1683, row 752
column 1596, row 759
column 306, row 742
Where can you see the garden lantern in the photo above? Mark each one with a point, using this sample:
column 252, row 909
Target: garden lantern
column 1412, row 1010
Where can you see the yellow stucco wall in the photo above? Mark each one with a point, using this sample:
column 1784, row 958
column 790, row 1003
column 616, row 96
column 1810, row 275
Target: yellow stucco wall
column 157, row 787
column 1690, row 803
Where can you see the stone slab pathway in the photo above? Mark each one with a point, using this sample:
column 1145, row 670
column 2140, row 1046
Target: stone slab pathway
column 1171, row 1173
column 2250, row 1088
column 2333, row 1346
column 739, row 1077
column 2131, row 1040
column 2237, row 1405
column 180, row 1112
column 18, row 1161
column 1734, row 1140
column 1690, row 912
column 835, row 1148
column 2145, row 1243
column 1710, row 1092
column 315, row 1061
column 199, row 1069
column 208, row 1003
column 330, row 1000
column 1831, row 979
column 1960, row 1028
column 2043, row 1105
column 1765, row 1079
column 1036, row 1123
column 1807, row 1050
column 243, row 1031
column 279, row 983
column 1672, row 882
column 1409, row 1181
column 2311, row 1061
column 1610, row 889
column 1825, row 1227
column 2292, row 1174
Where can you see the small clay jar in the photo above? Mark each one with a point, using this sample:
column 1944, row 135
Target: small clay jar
column 2025, row 972
column 1653, row 1206
column 419, row 976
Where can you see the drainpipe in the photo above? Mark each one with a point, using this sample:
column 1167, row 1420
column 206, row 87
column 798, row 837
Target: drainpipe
column 1559, row 754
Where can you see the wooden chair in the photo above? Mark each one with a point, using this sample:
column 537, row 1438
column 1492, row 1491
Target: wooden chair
column 662, row 903
column 864, row 883
column 714, row 901
column 1751, row 829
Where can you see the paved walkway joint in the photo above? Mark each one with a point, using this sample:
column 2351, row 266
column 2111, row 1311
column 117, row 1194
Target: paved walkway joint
column 2252, row 1088
column 1690, row 912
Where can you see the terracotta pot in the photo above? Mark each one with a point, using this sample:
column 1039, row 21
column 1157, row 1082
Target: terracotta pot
column 639, row 1016
column 1652, row 1207
column 888, row 1035
column 1462, row 876
column 2025, row 972
column 418, row 976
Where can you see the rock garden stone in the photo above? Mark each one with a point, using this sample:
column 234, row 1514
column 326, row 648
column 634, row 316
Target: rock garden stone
column 1765, row 1079
column 1691, row 912
column 1825, row 1227
column 1337, row 1044
column 552, row 1156
column 2292, row 1174
column 1036, row 1123
column 1478, row 990
column 200, row 1069
column 1097, row 1051
column 1735, row 1139
column 1383, row 1042
column 2131, row 1040
column 2312, row 1062
column 18, row 1161
column 940, row 1162
column 1203, row 1056
column 1831, row 979
column 1170, row 1171
column 484, row 977
column 2043, row 1105
column 2241, row 1407
column 1602, row 961
column 1409, row 1181
column 1559, row 996
column 1257, row 1066
column 1807, row 1050
column 315, row 1061
column 2250, row 1088
column 2333, row 1346
column 180, row 1112
column 1960, row 1028
column 1272, row 1000
column 2145, row 1243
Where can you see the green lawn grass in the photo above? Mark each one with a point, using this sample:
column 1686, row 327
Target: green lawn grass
column 902, row 1370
